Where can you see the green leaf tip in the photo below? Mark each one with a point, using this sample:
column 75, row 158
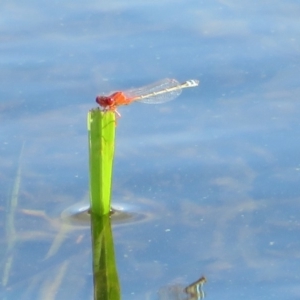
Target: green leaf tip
column 101, row 128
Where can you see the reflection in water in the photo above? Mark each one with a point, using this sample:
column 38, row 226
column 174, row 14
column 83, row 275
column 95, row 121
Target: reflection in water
column 193, row 291
column 106, row 280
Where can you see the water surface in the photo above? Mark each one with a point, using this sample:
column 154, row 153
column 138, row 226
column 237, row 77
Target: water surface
column 216, row 172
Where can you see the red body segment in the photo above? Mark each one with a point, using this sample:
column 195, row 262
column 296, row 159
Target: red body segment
column 111, row 102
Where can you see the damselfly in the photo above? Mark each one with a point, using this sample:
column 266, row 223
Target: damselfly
column 159, row 92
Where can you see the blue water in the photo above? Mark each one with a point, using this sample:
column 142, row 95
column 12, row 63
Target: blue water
column 216, row 171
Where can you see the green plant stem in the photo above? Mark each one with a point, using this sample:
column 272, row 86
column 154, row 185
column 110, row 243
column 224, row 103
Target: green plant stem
column 101, row 128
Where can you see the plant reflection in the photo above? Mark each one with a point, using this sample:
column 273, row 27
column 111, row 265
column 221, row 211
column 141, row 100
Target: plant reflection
column 193, row 291
column 106, row 281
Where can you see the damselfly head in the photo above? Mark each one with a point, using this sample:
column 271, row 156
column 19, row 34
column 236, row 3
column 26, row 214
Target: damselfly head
column 104, row 101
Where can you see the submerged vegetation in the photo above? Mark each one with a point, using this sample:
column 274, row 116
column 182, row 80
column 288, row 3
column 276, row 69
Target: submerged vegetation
column 11, row 235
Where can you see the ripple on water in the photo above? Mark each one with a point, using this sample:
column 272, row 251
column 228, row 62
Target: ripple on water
column 122, row 214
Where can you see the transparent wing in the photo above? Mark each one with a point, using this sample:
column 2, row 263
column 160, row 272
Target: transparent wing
column 158, row 92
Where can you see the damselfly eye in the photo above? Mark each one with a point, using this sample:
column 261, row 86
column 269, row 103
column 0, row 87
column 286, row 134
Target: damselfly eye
column 104, row 101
